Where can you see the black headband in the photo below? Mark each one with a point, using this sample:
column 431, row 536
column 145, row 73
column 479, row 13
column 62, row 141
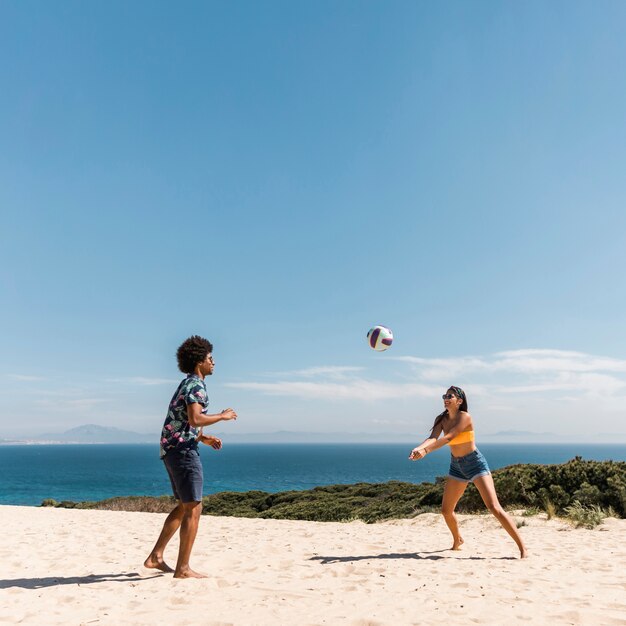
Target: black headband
column 458, row 392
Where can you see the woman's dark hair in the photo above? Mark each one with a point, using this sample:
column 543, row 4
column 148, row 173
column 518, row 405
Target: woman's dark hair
column 459, row 393
column 191, row 352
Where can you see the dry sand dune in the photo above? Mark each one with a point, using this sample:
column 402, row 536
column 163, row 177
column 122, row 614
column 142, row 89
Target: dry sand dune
column 85, row 567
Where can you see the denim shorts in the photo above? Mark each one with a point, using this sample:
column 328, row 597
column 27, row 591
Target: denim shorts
column 184, row 468
column 467, row 468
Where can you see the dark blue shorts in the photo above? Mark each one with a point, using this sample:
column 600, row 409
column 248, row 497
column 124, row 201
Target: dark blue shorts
column 184, row 468
column 467, row 468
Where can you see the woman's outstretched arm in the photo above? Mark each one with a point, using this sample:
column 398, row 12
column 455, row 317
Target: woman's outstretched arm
column 422, row 450
column 434, row 435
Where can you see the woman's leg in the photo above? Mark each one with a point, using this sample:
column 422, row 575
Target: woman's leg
column 451, row 495
column 487, row 491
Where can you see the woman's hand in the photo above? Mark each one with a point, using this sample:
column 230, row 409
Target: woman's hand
column 209, row 440
column 417, row 454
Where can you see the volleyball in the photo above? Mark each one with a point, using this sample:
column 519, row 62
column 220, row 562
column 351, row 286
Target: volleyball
column 380, row 338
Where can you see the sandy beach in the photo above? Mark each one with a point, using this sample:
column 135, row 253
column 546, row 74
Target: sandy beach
column 85, row 567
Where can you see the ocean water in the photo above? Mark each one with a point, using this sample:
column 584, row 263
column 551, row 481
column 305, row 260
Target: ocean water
column 31, row 473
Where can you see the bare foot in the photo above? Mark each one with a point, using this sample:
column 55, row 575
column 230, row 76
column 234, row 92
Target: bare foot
column 188, row 573
column 457, row 544
column 523, row 553
column 153, row 562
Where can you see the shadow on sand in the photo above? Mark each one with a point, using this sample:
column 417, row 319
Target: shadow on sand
column 423, row 556
column 54, row 581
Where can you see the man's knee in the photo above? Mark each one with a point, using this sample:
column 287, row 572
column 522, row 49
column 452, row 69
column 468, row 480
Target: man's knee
column 178, row 510
column 192, row 508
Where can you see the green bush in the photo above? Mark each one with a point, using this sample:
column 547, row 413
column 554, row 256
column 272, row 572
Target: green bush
column 552, row 487
column 587, row 494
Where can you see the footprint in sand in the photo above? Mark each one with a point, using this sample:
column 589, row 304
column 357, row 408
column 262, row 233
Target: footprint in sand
column 178, row 600
column 460, row 585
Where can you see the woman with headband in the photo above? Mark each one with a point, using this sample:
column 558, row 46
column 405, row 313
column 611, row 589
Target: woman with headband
column 467, row 465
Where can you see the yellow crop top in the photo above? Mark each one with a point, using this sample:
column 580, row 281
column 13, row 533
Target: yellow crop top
column 465, row 437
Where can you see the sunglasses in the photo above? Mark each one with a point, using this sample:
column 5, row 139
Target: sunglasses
column 448, row 396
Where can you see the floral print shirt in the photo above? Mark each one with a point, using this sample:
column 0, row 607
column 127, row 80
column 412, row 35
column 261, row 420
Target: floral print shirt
column 178, row 433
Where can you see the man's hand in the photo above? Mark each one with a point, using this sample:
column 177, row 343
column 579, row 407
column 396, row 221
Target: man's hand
column 209, row 440
column 228, row 414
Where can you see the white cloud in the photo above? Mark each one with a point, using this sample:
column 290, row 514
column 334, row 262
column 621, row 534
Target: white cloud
column 530, row 372
column 332, row 371
column 24, row 377
column 143, row 381
column 529, row 360
column 70, row 404
column 537, row 390
column 360, row 389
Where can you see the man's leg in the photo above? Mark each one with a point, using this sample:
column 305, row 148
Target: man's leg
column 170, row 526
column 188, row 531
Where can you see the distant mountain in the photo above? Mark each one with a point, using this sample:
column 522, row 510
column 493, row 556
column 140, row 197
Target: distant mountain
column 524, row 436
column 93, row 433
column 286, row 436
column 522, row 433
column 518, row 436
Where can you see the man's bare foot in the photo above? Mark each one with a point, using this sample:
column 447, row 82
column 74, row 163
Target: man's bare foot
column 153, row 562
column 523, row 553
column 457, row 544
column 188, row 573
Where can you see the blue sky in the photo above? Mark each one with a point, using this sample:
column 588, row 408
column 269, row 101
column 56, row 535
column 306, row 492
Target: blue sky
column 280, row 177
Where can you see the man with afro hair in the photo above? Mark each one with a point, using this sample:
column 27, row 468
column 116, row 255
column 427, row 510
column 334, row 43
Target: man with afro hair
column 182, row 430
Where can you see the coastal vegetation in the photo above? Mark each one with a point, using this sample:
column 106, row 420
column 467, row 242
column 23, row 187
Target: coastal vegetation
column 582, row 491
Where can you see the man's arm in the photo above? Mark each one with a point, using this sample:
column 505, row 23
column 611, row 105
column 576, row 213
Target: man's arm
column 197, row 418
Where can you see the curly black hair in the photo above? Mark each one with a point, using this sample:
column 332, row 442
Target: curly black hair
column 191, row 352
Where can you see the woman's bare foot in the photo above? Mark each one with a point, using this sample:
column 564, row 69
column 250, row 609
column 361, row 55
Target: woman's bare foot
column 457, row 544
column 153, row 562
column 188, row 573
column 523, row 553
